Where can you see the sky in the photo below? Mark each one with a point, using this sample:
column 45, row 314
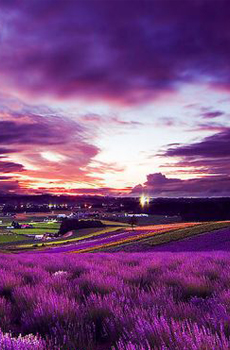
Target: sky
column 115, row 97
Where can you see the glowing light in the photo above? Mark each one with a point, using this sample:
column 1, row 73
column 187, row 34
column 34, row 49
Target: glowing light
column 144, row 201
column 52, row 156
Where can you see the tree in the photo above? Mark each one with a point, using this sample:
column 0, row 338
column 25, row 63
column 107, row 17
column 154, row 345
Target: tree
column 133, row 221
column 75, row 224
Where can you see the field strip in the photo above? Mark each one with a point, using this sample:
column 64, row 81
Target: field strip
column 134, row 238
column 76, row 239
column 188, row 228
column 172, row 236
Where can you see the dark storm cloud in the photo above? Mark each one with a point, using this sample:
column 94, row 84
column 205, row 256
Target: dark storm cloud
column 159, row 185
column 215, row 146
column 211, row 155
column 10, row 167
column 159, row 179
column 37, row 130
column 208, row 158
column 123, row 50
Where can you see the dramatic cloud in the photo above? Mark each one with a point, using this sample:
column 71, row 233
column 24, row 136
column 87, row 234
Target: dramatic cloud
column 209, row 159
column 38, row 145
column 215, row 146
column 43, row 149
column 10, row 167
column 120, row 50
column 39, row 131
column 159, row 185
column 90, row 90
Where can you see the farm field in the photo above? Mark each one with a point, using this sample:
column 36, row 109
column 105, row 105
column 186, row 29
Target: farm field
column 176, row 238
column 15, row 236
column 9, row 238
column 34, row 231
column 114, row 300
column 36, row 219
column 25, row 219
column 117, row 301
column 116, row 236
column 217, row 240
column 38, row 228
column 78, row 235
column 112, row 238
column 130, row 240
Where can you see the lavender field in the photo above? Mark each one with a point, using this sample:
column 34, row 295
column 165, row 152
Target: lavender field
column 210, row 241
column 117, row 301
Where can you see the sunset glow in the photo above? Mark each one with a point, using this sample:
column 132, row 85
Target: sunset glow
column 52, row 156
column 114, row 98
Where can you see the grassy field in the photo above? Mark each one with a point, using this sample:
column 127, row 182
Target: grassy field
column 8, row 238
column 78, row 236
column 33, row 231
column 46, row 225
column 39, row 227
column 16, row 236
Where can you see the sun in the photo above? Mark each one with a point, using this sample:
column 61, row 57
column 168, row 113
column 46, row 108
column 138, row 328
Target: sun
column 144, row 201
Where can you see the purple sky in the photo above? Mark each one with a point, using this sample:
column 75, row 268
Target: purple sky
column 115, row 97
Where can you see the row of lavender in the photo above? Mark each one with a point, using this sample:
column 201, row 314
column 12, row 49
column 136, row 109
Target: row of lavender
column 115, row 301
